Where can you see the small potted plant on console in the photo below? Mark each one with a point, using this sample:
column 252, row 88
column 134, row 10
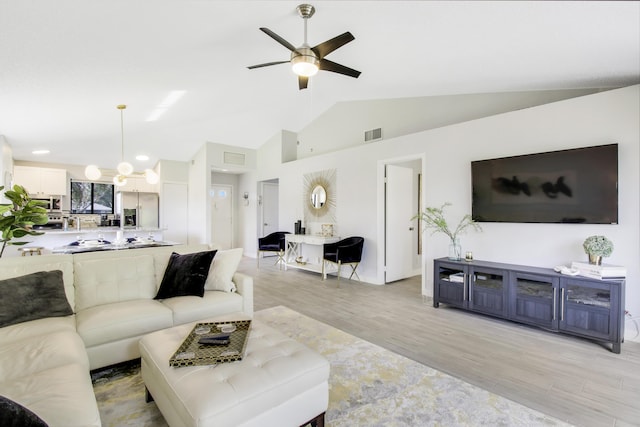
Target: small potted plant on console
column 597, row 247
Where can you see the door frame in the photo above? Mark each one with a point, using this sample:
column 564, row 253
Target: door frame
column 381, row 262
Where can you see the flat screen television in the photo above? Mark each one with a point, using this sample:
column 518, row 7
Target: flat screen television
column 569, row 186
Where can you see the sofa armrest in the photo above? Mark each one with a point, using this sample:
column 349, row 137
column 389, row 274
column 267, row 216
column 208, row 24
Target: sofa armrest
column 244, row 287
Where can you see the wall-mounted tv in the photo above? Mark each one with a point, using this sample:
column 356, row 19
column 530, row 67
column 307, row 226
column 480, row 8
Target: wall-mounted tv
column 569, row 186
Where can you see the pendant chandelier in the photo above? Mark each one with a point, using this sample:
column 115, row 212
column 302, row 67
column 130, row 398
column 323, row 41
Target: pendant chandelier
column 125, row 169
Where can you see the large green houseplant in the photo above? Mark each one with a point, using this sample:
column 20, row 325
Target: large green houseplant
column 18, row 217
column 434, row 219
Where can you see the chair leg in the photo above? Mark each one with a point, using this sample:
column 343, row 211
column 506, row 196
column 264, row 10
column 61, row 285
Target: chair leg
column 339, row 265
column 258, row 259
column 280, row 260
column 353, row 271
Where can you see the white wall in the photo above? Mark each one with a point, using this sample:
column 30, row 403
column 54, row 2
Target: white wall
column 199, row 206
column 596, row 119
column 6, row 166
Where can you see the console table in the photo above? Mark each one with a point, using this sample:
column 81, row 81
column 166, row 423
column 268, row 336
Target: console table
column 307, row 246
column 573, row 305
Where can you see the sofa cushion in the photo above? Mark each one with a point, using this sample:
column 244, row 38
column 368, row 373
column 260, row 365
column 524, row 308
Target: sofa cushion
column 13, row 414
column 61, row 396
column 185, row 274
column 223, row 267
column 33, row 296
column 105, row 280
column 37, row 354
column 34, row 328
column 112, row 322
column 213, row 303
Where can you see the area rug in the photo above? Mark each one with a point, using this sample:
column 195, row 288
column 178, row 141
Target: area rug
column 368, row 386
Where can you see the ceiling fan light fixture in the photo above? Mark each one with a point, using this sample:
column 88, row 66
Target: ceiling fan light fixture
column 304, row 64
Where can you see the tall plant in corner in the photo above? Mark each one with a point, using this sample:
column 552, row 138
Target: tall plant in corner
column 18, row 217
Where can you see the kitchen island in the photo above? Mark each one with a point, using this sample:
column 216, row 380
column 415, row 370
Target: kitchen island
column 105, row 245
column 54, row 239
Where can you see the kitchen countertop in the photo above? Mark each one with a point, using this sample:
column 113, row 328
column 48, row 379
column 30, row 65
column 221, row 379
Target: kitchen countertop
column 94, row 246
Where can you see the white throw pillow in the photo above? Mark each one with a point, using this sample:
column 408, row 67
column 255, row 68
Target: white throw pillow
column 224, row 265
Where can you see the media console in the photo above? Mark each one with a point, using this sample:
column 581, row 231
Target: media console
column 573, row 305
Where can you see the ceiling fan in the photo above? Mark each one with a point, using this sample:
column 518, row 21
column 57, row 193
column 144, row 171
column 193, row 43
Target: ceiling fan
column 306, row 60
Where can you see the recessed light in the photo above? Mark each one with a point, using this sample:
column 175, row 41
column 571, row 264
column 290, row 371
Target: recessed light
column 142, row 157
column 40, row 152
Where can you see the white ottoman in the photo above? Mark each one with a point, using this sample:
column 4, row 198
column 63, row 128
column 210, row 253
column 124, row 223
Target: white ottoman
column 279, row 382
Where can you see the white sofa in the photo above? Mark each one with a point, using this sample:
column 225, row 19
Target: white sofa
column 45, row 363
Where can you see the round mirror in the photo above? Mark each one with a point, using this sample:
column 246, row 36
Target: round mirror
column 318, row 197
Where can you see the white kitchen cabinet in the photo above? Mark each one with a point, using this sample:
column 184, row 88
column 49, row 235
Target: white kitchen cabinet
column 139, row 184
column 41, row 181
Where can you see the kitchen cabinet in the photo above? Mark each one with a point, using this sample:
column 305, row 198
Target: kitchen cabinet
column 573, row 305
column 140, row 184
column 41, row 181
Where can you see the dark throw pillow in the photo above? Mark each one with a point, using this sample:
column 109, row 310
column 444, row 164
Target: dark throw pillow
column 33, row 296
column 13, row 414
column 185, row 275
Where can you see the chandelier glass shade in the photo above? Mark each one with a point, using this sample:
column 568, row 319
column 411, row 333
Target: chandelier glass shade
column 125, row 169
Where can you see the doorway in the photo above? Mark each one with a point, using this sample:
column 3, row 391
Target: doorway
column 402, row 251
column 269, row 213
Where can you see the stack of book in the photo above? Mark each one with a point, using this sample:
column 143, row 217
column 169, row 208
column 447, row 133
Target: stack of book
column 602, row 272
column 457, row 277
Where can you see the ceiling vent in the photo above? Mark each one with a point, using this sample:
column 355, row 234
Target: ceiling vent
column 373, row 135
column 233, row 158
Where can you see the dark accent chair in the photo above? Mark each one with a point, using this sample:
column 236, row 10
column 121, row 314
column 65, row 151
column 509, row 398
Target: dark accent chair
column 346, row 251
column 274, row 242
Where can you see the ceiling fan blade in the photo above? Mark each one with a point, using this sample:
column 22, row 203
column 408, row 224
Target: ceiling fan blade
column 325, row 48
column 327, row 65
column 266, row 64
column 302, row 82
column 277, row 38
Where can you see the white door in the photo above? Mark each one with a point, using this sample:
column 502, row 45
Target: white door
column 399, row 228
column 269, row 208
column 222, row 216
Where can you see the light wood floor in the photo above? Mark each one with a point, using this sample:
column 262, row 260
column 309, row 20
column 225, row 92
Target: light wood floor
column 575, row 380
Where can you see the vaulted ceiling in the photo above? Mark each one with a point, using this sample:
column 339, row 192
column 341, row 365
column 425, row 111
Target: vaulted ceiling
column 66, row 64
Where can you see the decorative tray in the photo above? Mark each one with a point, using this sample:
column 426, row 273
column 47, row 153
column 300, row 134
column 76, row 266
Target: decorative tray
column 192, row 353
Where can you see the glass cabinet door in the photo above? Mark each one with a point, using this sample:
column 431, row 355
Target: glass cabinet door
column 586, row 308
column 534, row 300
column 488, row 290
column 450, row 285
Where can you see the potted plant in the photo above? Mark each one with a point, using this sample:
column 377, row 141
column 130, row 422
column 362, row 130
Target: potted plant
column 433, row 218
column 597, row 247
column 18, row 217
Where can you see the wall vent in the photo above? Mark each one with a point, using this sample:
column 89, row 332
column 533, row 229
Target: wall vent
column 373, row 135
column 234, row 158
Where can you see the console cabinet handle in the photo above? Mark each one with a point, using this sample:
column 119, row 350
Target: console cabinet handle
column 562, row 305
column 555, row 294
